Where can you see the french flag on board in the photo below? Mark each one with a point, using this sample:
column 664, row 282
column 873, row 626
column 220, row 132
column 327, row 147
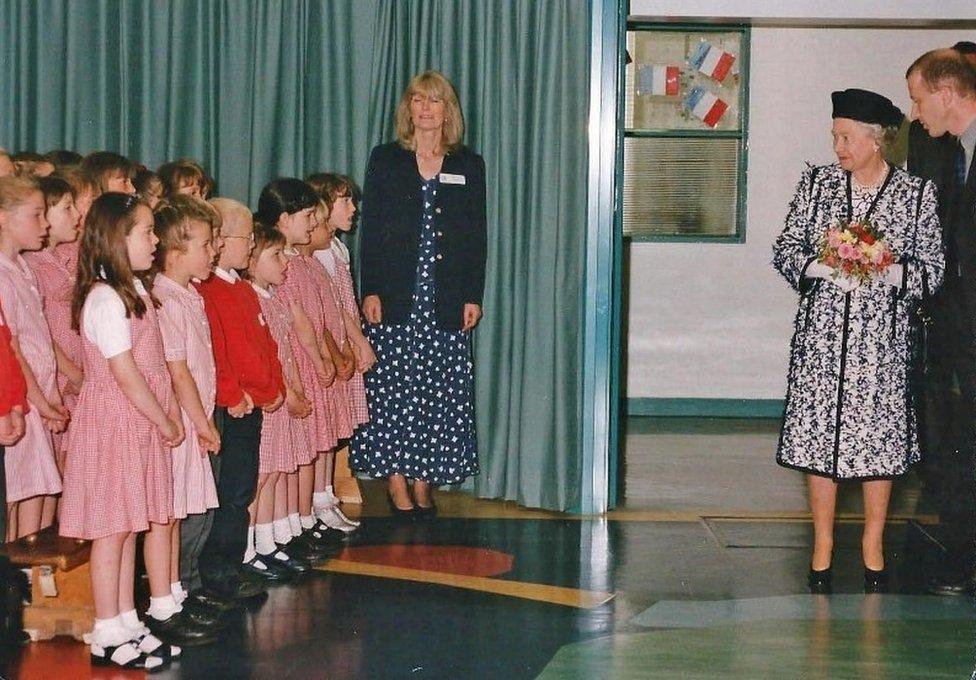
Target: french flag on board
column 712, row 61
column 659, row 80
column 705, row 106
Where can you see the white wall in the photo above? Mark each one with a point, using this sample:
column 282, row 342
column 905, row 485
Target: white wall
column 807, row 9
column 714, row 320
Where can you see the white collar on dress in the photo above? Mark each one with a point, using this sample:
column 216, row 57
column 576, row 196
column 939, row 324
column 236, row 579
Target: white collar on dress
column 266, row 294
column 229, row 276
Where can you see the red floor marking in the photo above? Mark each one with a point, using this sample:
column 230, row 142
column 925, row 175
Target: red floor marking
column 63, row 658
column 447, row 559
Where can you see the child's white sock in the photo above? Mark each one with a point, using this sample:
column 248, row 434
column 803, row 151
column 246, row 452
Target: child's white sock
column 264, row 540
column 282, row 531
column 249, row 551
column 331, row 494
column 161, row 608
column 307, row 522
column 321, row 500
column 130, row 620
column 178, row 593
column 109, row 632
column 296, row 524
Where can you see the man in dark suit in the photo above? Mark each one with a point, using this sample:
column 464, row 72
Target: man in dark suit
column 942, row 85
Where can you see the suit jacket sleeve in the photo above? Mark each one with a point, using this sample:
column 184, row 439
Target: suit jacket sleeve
column 478, row 235
column 370, row 231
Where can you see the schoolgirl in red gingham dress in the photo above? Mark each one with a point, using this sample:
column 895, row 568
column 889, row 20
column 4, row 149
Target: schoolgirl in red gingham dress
column 29, row 464
column 336, row 261
column 338, row 391
column 55, row 272
column 301, row 287
column 285, row 441
column 118, row 474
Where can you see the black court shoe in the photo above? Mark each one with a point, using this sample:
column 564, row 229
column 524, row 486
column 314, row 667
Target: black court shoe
column 399, row 513
column 875, row 581
column 427, row 512
column 821, row 581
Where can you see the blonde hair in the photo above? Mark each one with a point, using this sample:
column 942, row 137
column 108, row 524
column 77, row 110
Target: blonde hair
column 431, row 84
column 228, row 209
column 172, row 218
column 16, row 189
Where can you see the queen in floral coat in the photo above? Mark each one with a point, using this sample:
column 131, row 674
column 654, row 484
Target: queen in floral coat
column 850, row 406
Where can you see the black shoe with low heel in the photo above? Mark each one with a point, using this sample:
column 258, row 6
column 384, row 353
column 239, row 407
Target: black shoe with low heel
column 429, row 512
column 875, row 581
column 399, row 513
column 821, row 581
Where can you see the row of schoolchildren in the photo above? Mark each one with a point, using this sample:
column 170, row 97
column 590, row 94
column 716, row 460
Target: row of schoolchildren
column 150, row 338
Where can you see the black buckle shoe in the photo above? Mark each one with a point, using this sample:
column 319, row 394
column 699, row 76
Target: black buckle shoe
column 283, row 560
column 139, row 662
column 307, row 548
column 262, row 568
column 327, row 537
column 821, row 581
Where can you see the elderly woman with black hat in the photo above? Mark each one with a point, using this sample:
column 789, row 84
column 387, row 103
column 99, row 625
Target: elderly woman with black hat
column 850, row 410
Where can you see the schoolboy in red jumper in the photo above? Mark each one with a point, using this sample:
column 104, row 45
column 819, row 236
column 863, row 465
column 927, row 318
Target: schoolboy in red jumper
column 249, row 382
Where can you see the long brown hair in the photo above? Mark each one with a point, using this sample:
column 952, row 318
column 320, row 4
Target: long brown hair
column 103, row 257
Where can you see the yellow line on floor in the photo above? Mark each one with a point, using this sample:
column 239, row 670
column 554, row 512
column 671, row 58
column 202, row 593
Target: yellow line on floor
column 570, row 597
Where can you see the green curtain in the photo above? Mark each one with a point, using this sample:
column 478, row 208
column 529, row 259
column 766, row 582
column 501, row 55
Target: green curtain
column 261, row 88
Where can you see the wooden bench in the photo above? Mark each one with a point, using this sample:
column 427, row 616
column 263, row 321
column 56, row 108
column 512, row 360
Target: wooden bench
column 345, row 485
column 61, row 596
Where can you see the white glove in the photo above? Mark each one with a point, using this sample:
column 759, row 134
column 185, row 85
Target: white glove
column 818, row 270
column 894, row 275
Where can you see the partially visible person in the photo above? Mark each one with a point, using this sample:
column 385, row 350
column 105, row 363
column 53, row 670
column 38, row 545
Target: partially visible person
column 30, row 164
column 149, row 187
column 13, row 406
column 942, row 86
column 110, row 171
column 54, row 268
column 850, row 411
column 31, row 470
column 287, row 205
column 946, row 421
column 63, row 158
column 13, row 397
column 6, row 164
column 182, row 177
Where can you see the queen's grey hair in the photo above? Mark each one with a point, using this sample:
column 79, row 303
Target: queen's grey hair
column 884, row 136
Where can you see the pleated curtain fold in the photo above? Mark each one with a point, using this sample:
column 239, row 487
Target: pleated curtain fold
column 256, row 89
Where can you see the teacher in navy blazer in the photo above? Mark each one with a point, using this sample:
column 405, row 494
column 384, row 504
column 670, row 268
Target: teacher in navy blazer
column 422, row 262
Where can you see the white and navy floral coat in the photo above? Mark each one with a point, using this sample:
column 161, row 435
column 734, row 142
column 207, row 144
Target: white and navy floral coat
column 850, row 406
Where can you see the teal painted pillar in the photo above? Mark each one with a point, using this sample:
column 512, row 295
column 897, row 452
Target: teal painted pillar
column 599, row 416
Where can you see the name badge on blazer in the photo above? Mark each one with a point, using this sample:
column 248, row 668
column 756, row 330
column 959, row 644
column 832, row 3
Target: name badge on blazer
column 448, row 178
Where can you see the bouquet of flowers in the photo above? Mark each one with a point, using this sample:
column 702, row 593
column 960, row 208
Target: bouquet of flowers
column 856, row 250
